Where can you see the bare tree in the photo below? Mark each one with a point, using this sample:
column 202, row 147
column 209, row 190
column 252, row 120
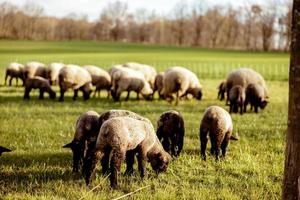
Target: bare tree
column 291, row 179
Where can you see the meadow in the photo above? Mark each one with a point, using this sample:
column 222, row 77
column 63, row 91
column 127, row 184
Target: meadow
column 39, row 168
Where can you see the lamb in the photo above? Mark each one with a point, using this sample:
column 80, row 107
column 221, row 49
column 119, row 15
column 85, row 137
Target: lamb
column 3, row 149
column 183, row 82
column 148, row 71
column 53, row 71
column 32, row 69
column 158, row 84
column 14, row 70
column 38, row 83
column 77, row 78
column 170, row 131
column 124, row 134
column 125, row 79
column 222, row 90
column 237, row 98
column 86, row 133
column 243, row 77
column 100, row 78
column 256, row 95
column 218, row 124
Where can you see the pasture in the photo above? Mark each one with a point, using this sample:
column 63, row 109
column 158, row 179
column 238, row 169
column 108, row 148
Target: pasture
column 39, row 168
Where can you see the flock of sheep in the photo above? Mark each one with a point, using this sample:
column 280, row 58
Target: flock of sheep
column 124, row 134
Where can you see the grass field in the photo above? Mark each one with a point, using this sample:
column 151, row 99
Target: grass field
column 39, row 168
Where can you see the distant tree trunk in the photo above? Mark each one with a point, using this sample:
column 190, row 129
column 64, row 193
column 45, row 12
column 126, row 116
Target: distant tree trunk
column 291, row 179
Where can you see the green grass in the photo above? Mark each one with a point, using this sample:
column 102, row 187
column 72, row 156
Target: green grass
column 39, row 168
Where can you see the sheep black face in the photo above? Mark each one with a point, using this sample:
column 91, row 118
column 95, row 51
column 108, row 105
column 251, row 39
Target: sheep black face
column 263, row 104
column 160, row 162
column 52, row 95
column 78, row 154
column 89, row 164
column 3, row 149
column 198, row 94
column 148, row 97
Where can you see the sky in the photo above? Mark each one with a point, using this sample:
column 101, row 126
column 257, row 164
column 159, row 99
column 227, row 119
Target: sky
column 92, row 8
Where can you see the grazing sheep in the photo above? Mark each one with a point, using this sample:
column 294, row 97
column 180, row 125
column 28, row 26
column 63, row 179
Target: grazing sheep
column 222, row 90
column 32, row 69
column 77, row 78
column 100, row 78
column 256, row 95
column 126, row 79
column 158, row 84
column 3, row 149
column 14, row 70
column 38, row 83
column 243, row 77
column 53, row 71
column 148, row 71
column 237, row 98
column 86, row 133
column 218, row 124
column 181, row 81
column 170, row 131
column 124, row 134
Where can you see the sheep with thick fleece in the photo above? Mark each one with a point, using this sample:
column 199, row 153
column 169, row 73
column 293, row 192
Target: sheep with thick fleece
column 14, row 70
column 170, row 131
column 256, row 95
column 100, row 79
column 216, row 123
column 53, row 71
column 38, row 83
column 243, row 77
column 120, row 135
column 181, row 81
column 3, row 149
column 126, row 79
column 77, row 78
column 148, row 71
column 237, row 97
column 86, row 133
column 158, row 84
column 33, row 68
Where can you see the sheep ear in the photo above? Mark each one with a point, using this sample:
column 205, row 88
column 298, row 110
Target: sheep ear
column 69, row 145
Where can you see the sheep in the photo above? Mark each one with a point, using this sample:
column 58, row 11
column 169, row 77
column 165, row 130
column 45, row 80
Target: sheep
column 158, row 84
column 126, row 79
column 33, row 68
column 38, row 83
column 243, row 77
column 77, row 78
column 170, row 131
column 256, row 95
column 222, row 90
column 148, row 71
column 183, row 82
column 237, row 98
column 3, row 149
column 124, row 134
column 53, row 71
column 14, row 70
column 86, row 133
column 218, row 124
column 100, row 78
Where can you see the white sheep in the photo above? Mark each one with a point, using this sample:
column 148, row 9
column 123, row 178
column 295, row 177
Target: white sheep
column 181, row 81
column 100, row 78
column 53, row 71
column 77, row 78
column 33, row 68
column 14, row 70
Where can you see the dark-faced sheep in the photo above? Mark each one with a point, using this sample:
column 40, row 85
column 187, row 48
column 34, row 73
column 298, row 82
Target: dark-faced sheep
column 237, row 98
column 3, row 149
column 120, row 135
column 158, row 84
column 170, row 131
column 256, row 96
column 77, row 78
column 100, row 79
column 53, row 71
column 86, row 133
column 38, row 83
column 32, row 69
column 217, row 124
column 222, row 90
column 181, row 81
column 14, row 70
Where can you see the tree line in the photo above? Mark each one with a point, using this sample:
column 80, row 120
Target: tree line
column 250, row 27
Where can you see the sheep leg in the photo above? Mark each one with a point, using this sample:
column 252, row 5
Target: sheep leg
column 17, row 81
column 255, row 108
column 62, row 92
column 224, row 145
column 166, row 144
column 117, row 158
column 75, row 94
column 127, row 97
column 89, row 165
column 27, row 92
column 41, row 93
column 105, row 161
column 141, row 163
column 6, row 75
column 10, row 80
column 77, row 155
column 230, row 107
column 137, row 96
column 94, row 95
column 203, row 141
column 241, row 108
column 129, row 162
